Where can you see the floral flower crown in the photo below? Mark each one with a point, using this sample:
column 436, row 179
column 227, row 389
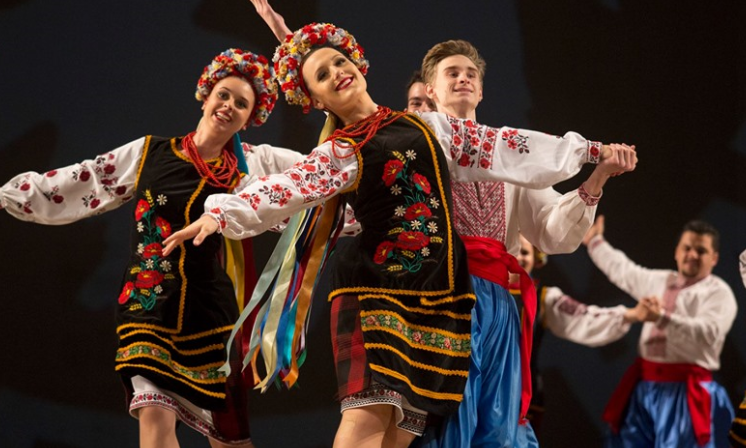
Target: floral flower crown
column 290, row 53
column 249, row 66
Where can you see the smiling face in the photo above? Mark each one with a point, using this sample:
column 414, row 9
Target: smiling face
column 695, row 255
column 334, row 82
column 456, row 88
column 229, row 106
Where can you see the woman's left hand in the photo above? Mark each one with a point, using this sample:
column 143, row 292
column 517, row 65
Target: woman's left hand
column 199, row 230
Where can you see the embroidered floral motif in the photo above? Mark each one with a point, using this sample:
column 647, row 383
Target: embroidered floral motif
column 147, row 351
column 104, row 168
column 416, row 337
column 253, row 199
column 588, row 198
column 472, row 143
column 594, row 152
column 514, row 140
column 317, row 177
column 408, row 244
column 153, row 268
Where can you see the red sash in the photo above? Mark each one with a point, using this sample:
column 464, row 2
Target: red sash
column 697, row 397
column 489, row 260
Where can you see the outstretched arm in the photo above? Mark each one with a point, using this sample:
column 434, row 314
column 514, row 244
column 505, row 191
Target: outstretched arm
column 556, row 223
column 274, row 21
column 78, row 191
column 588, row 325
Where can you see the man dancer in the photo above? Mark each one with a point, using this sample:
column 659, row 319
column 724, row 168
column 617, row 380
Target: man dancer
column 488, row 216
column 668, row 397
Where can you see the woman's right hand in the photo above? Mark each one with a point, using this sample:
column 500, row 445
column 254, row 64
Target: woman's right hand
column 199, row 230
column 274, row 21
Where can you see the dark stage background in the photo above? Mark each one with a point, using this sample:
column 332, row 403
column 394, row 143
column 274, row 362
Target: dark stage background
column 82, row 77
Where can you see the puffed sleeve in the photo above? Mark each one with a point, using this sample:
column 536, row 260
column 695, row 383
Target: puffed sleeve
column 77, row 191
column 476, row 152
column 554, row 222
column 271, row 199
column 588, row 325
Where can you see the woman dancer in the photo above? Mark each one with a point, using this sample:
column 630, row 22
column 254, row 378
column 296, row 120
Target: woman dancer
column 175, row 311
column 408, row 294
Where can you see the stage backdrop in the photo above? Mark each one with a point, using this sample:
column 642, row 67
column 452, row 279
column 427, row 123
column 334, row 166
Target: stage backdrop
column 81, row 77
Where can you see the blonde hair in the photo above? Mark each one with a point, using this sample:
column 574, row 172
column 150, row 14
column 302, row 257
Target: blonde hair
column 451, row 48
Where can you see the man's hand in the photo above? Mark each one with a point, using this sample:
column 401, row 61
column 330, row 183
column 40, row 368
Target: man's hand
column 596, row 229
column 199, row 230
column 653, row 307
column 620, row 158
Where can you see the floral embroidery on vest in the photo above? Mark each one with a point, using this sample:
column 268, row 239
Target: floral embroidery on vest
column 409, row 243
column 153, row 268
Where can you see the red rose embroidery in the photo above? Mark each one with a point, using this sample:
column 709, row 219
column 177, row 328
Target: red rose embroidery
column 141, row 208
column 95, row 203
column 382, row 252
column 57, row 199
column 594, row 151
column 422, row 183
column 120, row 190
column 25, row 187
column 148, row 279
column 153, row 250
column 164, row 227
column 109, row 169
column 391, row 170
column 84, row 176
column 412, row 241
column 414, row 211
column 464, row 160
column 51, row 173
column 126, row 293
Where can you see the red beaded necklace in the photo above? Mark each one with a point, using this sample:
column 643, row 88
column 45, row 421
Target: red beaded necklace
column 221, row 175
column 368, row 127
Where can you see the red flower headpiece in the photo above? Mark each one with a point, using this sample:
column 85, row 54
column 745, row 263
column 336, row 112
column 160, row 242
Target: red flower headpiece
column 290, row 53
column 253, row 68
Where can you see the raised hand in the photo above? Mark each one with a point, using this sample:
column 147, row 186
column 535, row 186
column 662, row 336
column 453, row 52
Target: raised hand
column 199, row 230
column 274, row 21
column 596, row 229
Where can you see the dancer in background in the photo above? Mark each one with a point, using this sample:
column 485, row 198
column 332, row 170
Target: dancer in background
column 669, row 396
column 175, row 311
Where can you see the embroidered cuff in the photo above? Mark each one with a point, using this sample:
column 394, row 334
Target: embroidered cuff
column 588, row 198
column 219, row 217
column 663, row 321
column 594, row 152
